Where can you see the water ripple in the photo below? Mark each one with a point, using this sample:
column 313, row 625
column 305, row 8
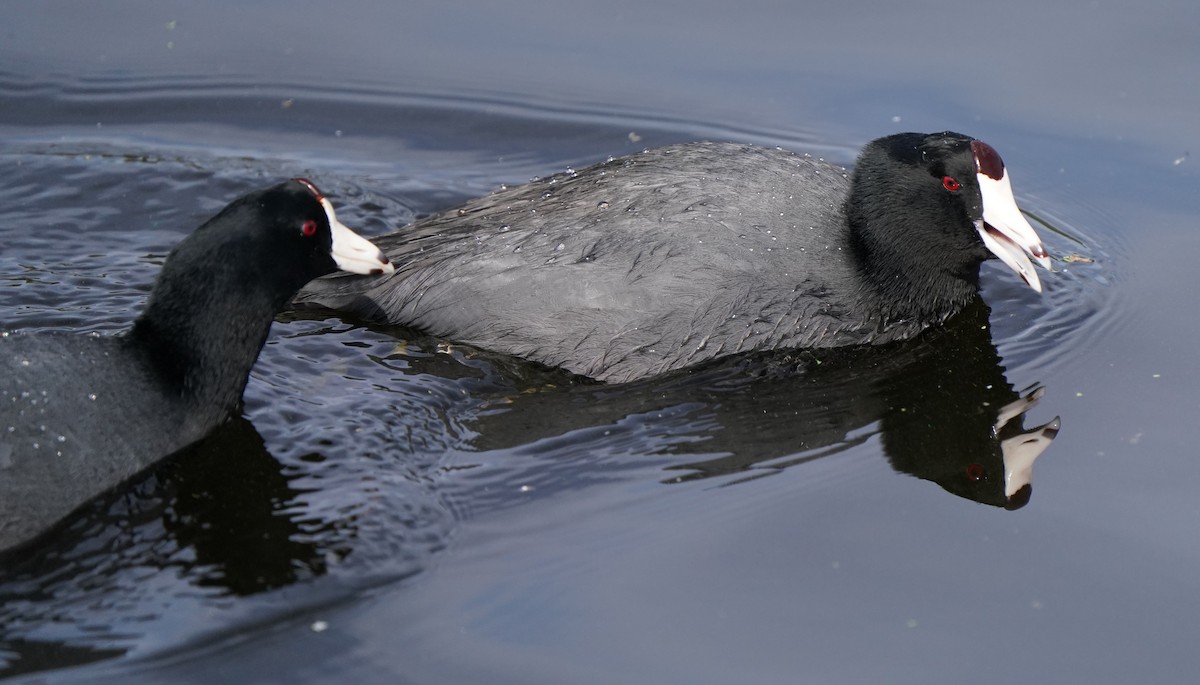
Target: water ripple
column 364, row 447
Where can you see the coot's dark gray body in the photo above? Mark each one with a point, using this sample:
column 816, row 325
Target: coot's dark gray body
column 668, row 258
column 52, row 458
column 79, row 414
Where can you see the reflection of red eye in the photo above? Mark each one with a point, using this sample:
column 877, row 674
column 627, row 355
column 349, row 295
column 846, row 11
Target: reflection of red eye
column 975, row 472
column 950, row 184
column 309, row 229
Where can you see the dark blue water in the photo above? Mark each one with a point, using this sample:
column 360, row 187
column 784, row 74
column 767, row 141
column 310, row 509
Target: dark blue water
column 397, row 508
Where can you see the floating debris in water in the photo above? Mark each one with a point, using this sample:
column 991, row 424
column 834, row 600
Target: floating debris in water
column 1078, row 259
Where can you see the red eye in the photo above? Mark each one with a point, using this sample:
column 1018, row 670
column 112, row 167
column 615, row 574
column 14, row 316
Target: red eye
column 975, row 472
column 309, row 229
column 950, row 184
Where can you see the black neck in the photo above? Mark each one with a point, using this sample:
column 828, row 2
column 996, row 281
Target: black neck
column 202, row 344
column 911, row 279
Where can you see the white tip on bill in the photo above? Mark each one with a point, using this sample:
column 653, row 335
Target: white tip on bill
column 1005, row 231
column 352, row 252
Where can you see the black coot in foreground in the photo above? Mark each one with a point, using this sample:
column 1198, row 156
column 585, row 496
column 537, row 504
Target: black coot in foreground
column 79, row 414
column 664, row 259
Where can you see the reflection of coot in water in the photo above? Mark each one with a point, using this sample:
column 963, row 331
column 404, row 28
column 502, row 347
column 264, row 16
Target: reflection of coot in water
column 223, row 505
column 684, row 254
column 953, row 419
column 225, row 496
column 940, row 403
column 217, row 532
column 991, row 467
column 229, row 500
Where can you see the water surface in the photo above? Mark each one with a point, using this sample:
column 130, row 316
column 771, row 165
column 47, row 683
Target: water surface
column 395, row 508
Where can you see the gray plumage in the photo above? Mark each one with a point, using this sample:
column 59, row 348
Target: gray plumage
column 674, row 256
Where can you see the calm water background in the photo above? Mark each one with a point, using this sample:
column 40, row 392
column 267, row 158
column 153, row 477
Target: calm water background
column 395, row 509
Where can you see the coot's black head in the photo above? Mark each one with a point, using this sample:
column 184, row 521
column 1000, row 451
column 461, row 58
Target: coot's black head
column 290, row 235
column 929, row 208
column 214, row 300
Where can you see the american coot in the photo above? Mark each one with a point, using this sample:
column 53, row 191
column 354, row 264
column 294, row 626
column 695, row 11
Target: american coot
column 80, row 414
column 664, row 259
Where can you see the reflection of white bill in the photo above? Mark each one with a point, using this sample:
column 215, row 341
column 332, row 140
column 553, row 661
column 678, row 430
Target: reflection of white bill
column 1021, row 450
